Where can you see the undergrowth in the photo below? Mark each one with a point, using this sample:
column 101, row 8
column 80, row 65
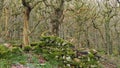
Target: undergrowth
column 49, row 52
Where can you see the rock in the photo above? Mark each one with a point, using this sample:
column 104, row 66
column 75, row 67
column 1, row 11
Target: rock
column 8, row 45
column 76, row 60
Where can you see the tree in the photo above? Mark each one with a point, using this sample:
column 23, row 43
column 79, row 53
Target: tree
column 27, row 10
column 57, row 15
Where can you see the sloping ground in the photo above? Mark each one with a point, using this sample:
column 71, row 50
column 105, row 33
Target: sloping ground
column 52, row 52
column 107, row 64
column 110, row 61
column 31, row 60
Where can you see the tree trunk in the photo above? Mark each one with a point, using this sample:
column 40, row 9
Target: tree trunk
column 118, row 39
column 108, row 41
column 57, row 18
column 27, row 10
column 6, row 22
column 87, row 38
column 55, row 27
column 25, row 27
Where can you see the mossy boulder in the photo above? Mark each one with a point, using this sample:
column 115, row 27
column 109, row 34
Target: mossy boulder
column 57, row 49
column 54, row 48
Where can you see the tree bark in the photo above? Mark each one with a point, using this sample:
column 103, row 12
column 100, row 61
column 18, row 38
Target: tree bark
column 27, row 10
column 118, row 38
column 6, row 22
column 108, row 41
column 25, row 27
column 57, row 18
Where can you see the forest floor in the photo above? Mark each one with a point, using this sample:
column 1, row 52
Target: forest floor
column 105, row 64
column 36, row 61
column 110, row 61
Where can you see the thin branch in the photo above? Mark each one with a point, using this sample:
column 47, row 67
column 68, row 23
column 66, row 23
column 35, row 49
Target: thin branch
column 35, row 27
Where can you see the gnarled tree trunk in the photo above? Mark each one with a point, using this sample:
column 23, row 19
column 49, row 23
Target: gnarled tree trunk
column 27, row 10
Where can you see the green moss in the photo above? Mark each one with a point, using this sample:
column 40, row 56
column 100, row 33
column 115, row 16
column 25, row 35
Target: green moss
column 52, row 49
column 57, row 49
column 16, row 50
column 27, row 48
column 3, row 51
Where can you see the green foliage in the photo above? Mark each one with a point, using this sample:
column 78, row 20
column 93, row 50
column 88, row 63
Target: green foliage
column 54, row 48
column 16, row 50
column 54, row 41
column 27, row 48
column 57, row 49
column 4, row 63
column 3, row 51
column 89, row 61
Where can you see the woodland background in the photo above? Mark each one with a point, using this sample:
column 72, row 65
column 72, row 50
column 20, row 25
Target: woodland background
column 85, row 23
